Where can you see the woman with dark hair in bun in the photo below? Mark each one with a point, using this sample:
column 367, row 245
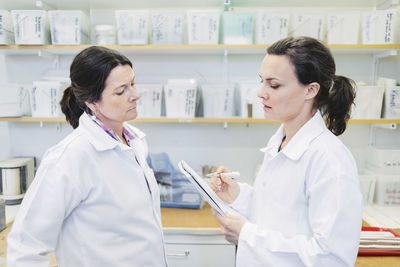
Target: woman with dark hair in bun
column 305, row 206
column 94, row 200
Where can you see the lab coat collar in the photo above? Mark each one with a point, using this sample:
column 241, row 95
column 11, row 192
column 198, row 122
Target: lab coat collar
column 300, row 141
column 99, row 138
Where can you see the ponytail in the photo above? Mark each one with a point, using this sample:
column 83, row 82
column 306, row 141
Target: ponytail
column 70, row 107
column 337, row 109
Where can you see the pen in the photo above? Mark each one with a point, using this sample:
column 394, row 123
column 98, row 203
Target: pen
column 233, row 175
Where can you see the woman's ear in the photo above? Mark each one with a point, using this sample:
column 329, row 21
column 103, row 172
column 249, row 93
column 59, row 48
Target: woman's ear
column 312, row 90
column 91, row 106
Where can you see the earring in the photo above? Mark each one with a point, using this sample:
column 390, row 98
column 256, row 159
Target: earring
column 93, row 117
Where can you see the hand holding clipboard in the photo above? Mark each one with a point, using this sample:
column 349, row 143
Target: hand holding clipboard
column 204, row 189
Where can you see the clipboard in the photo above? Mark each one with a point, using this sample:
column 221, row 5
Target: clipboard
column 205, row 190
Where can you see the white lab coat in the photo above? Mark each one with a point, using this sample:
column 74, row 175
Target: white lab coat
column 305, row 207
column 92, row 203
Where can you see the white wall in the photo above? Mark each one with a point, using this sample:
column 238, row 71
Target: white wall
column 198, row 143
column 5, row 147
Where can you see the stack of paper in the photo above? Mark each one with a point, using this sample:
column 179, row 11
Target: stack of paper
column 382, row 216
column 379, row 241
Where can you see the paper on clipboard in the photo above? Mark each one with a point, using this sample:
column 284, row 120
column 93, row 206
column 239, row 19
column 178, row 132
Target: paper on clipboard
column 205, row 190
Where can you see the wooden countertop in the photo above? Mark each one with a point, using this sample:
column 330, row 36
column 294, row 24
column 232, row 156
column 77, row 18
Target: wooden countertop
column 203, row 218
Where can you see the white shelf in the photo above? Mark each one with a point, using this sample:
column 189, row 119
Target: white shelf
column 100, row 4
column 195, row 120
column 181, row 49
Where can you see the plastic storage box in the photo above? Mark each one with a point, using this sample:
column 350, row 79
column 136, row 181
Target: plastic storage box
column 167, row 27
column 237, row 28
column 218, row 100
column 30, row 27
column 149, row 103
column 246, row 98
column 391, row 103
column 387, row 190
column 383, row 160
column 271, row 26
column 45, row 97
column 381, row 27
column 343, row 27
column 309, row 24
column 68, row 27
column 176, row 191
column 14, row 100
column 203, row 26
column 132, row 26
column 368, row 102
column 367, row 187
column 105, row 34
column 180, row 98
column 6, row 28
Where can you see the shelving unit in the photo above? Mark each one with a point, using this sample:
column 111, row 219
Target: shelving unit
column 197, row 140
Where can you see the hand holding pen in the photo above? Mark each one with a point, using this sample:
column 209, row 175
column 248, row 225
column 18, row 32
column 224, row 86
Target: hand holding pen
column 233, row 175
column 225, row 187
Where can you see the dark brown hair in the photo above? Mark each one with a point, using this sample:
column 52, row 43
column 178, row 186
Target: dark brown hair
column 88, row 72
column 313, row 62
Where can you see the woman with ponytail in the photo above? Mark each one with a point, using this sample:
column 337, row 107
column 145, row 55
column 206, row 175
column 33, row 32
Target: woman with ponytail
column 305, row 207
column 94, row 200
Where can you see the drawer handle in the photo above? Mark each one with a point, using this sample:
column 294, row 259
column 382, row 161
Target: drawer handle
column 184, row 254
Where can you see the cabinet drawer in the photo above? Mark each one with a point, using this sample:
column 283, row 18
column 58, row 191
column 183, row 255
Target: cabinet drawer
column 200, row 255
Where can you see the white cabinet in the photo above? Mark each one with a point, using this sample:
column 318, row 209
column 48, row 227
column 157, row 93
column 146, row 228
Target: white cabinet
column 198, row 248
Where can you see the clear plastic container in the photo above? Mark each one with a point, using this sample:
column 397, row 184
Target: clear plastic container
column 203, row 26
column 30, row 27
column 68, row 27
column 6, row 28
column 237, row 28
column 105, row 34
column 133, row 26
